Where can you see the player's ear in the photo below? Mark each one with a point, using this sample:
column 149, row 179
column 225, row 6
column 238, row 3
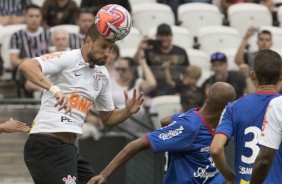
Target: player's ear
column 253, row 75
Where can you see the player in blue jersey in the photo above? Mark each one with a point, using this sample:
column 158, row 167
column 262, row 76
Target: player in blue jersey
column 243, row 120
column 187, row 139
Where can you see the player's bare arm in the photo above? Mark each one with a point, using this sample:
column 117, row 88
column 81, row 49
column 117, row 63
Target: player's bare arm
column 32, row 70
column 122, row 157
column 117, row 116
column 262, row 164
column 218, row 156
column 13, row 126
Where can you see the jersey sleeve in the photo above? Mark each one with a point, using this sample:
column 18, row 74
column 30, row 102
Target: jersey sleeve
column 178, row 136
column 104, row 101
column 15, row 43
column 225, row 125
column 56, row 62
column 272, row 127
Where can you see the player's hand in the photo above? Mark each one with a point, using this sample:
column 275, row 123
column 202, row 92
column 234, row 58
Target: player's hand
column 133, row 105
column 63, row 102
column 14, row 126
column 97, row 180
column 231, row 179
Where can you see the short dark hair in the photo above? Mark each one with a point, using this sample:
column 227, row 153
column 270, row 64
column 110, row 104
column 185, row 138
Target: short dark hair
column 32, row 6
column 85, row 10
column 267, row 67
column 265, row 32
column 191, row 98
column 93, row 33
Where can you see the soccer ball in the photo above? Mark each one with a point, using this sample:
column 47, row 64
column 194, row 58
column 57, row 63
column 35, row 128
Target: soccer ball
column 113, row 22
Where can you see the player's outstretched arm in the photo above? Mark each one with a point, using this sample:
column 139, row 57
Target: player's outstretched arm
column 262, row 164
column 218, row 156
column 129, row 151
column 132, row 106
column 13, row 126
column 31, row 69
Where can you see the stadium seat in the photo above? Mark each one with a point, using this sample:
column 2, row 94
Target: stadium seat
column 38, row 2
column 201, row 59
column 5, row 39
column 10, row 29
column 230, row 54
column 243, row 15
column 70, row 28
column 194, row 16
column 137, row 2
column 147, row 15
column 163, row 106
column 181, row 36
column 276, row 38
column 131, row 41
column 128, row 52
column 214, row 38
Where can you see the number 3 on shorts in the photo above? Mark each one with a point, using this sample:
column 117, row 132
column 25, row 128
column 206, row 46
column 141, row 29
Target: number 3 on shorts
column 252, row 144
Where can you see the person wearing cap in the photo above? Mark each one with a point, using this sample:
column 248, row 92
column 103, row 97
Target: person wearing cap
column 221, row 74
column 161, row 50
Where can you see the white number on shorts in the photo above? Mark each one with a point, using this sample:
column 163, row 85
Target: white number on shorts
column 252, row 144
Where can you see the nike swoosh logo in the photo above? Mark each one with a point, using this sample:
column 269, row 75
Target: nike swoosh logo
column 77, row 75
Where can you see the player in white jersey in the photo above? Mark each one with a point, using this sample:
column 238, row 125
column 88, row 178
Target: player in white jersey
column 270, row 142
column 73, row 81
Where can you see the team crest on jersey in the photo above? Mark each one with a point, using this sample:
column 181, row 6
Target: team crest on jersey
column 96, row 82
column 69, row 180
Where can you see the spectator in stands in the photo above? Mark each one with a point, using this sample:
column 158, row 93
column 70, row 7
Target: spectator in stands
column 85, row 18
column 28, row 43
column 12, row 12
column 190, row 77
column 97, row 4
column 174, row 4
column 128, row 80
column 13, row 126
column 111, row 61
column 60, row 40
column 159, row 51
column 221, row 74
column 57, row 12
column 264, row 42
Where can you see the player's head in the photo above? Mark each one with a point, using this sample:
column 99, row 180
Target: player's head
column 264, row 40
column 220, row 93
column 190, row 99
column 96, row 47
column 267, row 67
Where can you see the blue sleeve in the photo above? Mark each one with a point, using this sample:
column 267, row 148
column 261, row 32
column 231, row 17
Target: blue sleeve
column 178, row 136
column 175, row 116
column 225, row 125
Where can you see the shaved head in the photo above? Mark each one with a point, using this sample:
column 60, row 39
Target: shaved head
column 220, row 93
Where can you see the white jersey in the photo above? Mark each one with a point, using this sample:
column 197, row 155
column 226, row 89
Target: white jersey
column 85, row 86
column 272, row 125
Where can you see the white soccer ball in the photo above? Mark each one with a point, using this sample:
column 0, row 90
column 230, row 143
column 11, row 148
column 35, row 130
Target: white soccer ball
column 113, row 22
